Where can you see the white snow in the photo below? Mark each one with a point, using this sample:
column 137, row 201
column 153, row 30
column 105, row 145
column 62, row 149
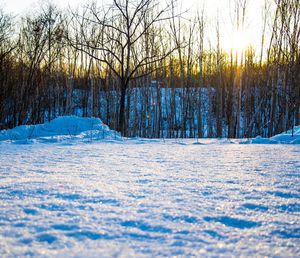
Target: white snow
column 145, row 198
column 61, row 128
column 288, row 137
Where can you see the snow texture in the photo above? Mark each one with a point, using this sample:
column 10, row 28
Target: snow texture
column 147, row 198
column 59, row 129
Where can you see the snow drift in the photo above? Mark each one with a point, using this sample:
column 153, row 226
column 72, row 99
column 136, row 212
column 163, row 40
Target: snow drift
column 61, row 128
column 288, row 137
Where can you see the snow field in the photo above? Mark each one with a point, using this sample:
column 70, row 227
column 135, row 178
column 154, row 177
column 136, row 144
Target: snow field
column 155, row 198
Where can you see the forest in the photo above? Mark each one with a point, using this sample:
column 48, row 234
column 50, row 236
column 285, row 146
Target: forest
column 147, row 70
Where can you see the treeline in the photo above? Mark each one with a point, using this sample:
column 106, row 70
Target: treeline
column 147, row 71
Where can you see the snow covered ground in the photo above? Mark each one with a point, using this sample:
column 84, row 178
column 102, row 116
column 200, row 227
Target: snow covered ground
column 72, row 197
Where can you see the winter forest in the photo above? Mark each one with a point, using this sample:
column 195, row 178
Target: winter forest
column 148, row 69
column 149, row 128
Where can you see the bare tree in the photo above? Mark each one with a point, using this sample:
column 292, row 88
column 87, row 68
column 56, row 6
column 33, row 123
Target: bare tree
column 6, row 48
column 117, row 40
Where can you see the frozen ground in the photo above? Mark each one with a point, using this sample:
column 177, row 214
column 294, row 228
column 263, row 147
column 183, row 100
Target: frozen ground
column 139, row 198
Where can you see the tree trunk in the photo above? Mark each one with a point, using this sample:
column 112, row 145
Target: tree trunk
column 121, row 126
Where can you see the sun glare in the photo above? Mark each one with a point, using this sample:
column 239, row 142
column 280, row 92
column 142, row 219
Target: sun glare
column 237, row 42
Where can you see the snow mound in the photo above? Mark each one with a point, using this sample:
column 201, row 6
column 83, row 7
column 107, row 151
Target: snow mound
column 59, row 129
column 288, row 137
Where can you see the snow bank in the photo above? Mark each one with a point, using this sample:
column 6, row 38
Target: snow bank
column 283, row 138
column 61, row 128
column 287, row 137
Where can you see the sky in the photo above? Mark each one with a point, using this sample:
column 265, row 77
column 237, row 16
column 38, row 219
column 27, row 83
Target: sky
column 23, row 6
column 251, row 33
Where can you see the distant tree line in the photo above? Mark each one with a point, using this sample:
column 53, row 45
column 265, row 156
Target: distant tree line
column 147, row 71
